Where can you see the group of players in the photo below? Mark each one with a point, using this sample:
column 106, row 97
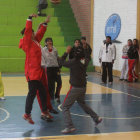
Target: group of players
column 42, row 70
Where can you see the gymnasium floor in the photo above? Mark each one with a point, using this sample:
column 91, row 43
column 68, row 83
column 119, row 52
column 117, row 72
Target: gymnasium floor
column 119, row 105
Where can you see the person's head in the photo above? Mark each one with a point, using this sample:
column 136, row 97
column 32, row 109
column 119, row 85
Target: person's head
column 77, row 42
column 83, row 40
column 79, row 53
column 33, row 34
column 135, row 42
column 129, row 42
column 108, row 39
column 49, row 41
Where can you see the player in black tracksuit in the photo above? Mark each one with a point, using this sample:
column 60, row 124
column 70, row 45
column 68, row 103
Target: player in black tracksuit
column 77, row 91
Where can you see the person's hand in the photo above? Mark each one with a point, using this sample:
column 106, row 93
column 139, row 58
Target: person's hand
column 47, row 19
column 112, row 61
column 33, row 15
column 68, row 50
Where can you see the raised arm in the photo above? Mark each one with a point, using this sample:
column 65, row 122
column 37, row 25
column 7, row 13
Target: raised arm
column 63, row 61
column 28, row 28
column 42, row 29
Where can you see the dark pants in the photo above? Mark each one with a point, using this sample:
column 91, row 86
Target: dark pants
column 107, row 70
column 131, row 70
column 54, row 76
column 59, row 85
column 33, row 86
column 76, row 94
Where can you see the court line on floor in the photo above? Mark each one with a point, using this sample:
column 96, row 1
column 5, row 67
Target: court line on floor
column 7, row 115
column 108, row 118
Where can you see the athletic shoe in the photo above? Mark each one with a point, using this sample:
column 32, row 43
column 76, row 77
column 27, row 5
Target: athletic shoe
column 2, row 98
column 103, row 83
column 47, row 114
column 53, row 111
column 110, row 83
column 98, row 120
column 121, row 79
column 58, row 100
column 46, row 118
column 28, row 118
column 68, row 130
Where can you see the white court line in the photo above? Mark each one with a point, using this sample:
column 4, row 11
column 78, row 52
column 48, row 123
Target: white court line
column 7, row 115
column 109, row 118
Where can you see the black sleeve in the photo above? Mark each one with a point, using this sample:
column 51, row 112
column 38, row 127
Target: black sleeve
column 63, row 62
column 71, row 54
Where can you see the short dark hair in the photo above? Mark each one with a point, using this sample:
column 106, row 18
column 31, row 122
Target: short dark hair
column 48, row 39
column 79, row 53
column 23, row 30
column 108, row 37
column 83, row 38
column 77, row 40
column 130, row 40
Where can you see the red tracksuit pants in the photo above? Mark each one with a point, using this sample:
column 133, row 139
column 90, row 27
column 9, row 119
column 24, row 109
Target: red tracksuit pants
column 131, row 70
column 44, row 80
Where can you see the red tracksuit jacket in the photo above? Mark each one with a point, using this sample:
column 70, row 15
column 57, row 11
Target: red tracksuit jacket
column 32, row 49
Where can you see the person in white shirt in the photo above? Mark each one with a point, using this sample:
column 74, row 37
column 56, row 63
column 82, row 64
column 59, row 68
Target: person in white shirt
column 124, row 71
column 107, row 55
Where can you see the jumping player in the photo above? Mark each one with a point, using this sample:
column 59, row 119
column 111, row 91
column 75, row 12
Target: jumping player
column 33, row 70
column 77, row 91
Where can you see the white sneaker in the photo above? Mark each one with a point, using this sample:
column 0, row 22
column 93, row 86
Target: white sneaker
column 68, row 130
column 2, row 98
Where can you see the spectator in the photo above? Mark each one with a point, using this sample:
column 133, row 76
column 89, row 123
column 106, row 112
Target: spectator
column 77, row 43
column 107, row 56
column 132, row 57
column 87, row 48
column 53, row 70
column 42, row 5
column 124, row 71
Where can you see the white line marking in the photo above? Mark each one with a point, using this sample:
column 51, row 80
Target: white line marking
column 7, row 115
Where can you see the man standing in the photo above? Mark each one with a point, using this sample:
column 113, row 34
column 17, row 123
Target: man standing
column 86, row 46
column 107, row 57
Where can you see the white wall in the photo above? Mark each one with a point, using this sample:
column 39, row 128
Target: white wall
column 127, row 10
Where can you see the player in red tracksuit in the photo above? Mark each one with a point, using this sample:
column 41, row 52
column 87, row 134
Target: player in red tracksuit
column 44, row 80
column 33, row 70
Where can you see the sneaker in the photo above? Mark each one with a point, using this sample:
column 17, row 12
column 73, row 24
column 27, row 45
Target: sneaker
column 53, row 111
column 68, row 130
column 125, row 80
column 121, row 79
column 46, row 118
column 2, row 98
column 47, row 114
column 103, row 83
column 110, row 83
column 28, row 118
column 58, row 100
column 98, row 120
